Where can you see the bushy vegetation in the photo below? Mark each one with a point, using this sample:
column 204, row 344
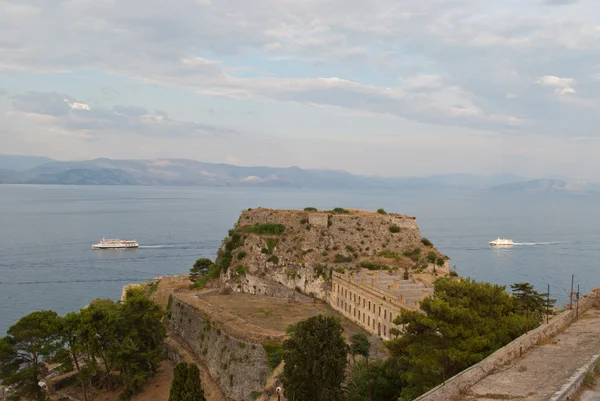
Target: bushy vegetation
column 223, row 262
column 125, row 337
column 394, row 229
column 373, row 266
column 426, row 242
column 471, row 319
column 339, row 258
column 340, row 210
column 273, row 259
column 413, row 255
column 274, row 353
column 241, row 270
column 310, row 209
column 381, row 211
column 265, row 228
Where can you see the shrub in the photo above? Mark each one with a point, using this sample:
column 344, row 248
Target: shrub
column 319, row 270
column 310, row 209
column 273, row 259
column 303, row 221
column 241, row 255
column 426, row 242
column 405, row 274
column 274, row 353
column 394, row 229
column 241, row 270
column 439, row 262
column 340, row 210
column 431, row 257
column 339, row 258
column 349, row 248
column 373, row 266
column 381, row 211
column 266, row 228
column 271, row 244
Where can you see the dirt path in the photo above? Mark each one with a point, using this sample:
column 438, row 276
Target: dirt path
column 546, row 368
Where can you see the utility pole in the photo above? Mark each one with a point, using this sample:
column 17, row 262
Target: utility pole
column 571, row 294
column 548, row 304
column 577, row 312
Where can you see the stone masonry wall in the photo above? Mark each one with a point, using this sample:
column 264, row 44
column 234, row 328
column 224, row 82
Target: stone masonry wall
column 239, row 367
column 468, row 377
column 369, row 307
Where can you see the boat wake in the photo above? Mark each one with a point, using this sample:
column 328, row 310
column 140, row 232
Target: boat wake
column 535, row 243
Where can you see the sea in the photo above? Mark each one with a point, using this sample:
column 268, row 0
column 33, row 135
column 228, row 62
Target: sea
column 46, row 232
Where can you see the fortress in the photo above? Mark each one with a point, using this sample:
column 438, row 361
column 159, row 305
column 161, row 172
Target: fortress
column 274, row 268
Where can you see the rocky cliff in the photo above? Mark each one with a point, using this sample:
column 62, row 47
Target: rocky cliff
column 286, row 253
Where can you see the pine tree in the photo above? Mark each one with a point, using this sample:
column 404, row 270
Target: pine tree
column 193, row 388
column 180, row 374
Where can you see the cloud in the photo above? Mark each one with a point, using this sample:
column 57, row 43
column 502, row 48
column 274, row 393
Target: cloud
column 439, row 62
column 65, row 113
column 562, row 86
column 559, row 2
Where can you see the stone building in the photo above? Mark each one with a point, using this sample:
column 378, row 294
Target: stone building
column 373, row 299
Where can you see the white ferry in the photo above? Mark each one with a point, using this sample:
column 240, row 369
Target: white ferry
column 502, row 242
column 115, row 244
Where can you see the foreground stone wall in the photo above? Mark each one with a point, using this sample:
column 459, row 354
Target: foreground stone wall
column 467, row 378
column 239, row 367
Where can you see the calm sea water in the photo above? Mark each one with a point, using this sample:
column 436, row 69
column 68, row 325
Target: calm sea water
column 46, row 261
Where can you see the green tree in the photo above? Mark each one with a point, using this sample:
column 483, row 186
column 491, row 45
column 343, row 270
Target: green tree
column 532, row 303
column 99, row 327
column 380, row 381
column 29, row 341
column 359, row 345
column 180, row 373
column 315, row 360
column 193, row 387
column 200, row 266
column 462, row 323
column 138, row 345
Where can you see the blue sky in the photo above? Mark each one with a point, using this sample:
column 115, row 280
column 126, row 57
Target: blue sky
column 385, row 87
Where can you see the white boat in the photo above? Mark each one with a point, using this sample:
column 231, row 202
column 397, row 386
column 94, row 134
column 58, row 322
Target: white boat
column 502, row 242
column 115, row 244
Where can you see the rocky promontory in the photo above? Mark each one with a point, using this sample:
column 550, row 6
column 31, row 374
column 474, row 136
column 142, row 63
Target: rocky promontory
column 292, row 253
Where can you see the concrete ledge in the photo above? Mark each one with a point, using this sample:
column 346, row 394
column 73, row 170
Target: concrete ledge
column 565, row 393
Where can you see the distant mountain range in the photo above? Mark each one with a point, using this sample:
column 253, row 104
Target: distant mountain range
column 182, row 172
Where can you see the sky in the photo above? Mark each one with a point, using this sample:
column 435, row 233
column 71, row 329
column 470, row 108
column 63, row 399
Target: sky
column 378, row 87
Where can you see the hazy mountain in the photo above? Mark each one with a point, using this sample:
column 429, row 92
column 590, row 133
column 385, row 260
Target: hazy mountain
column 545, row 185
column 193, row 173
column 21, row 163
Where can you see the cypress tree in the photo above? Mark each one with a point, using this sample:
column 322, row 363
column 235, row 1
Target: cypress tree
column 180, row 374
column 193, row 388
